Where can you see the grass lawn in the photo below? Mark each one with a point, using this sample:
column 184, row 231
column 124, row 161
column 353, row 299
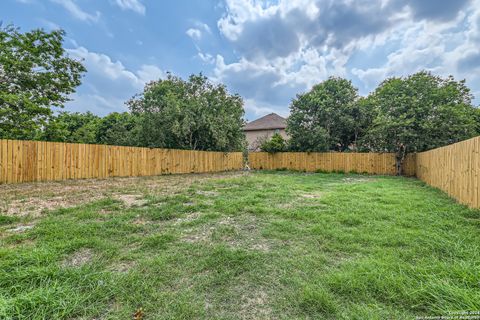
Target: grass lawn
column 260, row 245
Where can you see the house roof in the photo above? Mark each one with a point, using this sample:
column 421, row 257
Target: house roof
column 270, row 121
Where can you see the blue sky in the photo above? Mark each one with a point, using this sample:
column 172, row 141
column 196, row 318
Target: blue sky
column 267, row 51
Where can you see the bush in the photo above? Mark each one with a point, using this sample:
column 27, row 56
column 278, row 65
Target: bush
column 275, row 144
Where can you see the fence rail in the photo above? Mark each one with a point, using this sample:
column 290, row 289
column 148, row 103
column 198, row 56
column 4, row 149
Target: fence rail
column 26, row 161
column 372, row 163
column 454, row 169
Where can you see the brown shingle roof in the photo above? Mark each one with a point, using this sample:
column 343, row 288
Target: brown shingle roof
column 270, row 121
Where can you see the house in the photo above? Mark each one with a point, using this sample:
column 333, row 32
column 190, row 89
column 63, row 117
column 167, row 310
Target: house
column 263, row 129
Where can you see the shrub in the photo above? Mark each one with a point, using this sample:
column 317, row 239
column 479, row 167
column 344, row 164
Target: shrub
column 275, row 144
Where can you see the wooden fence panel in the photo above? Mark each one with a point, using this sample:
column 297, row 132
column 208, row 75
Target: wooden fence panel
column 27, row 161
column 454, row 169
column 372, row 163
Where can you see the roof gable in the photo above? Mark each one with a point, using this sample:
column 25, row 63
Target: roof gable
column 270, row 121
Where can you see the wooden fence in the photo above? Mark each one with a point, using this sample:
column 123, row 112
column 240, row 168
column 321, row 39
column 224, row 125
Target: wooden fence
column 25, row 161
column 372, row 163
column 454, row 169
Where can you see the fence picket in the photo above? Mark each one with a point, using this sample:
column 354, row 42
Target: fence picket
column 26, row 161
column 454, row 169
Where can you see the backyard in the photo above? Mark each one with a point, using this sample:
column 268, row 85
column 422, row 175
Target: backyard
column 250, row 245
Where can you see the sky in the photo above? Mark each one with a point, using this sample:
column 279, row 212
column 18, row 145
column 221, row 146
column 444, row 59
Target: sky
column 266, row 51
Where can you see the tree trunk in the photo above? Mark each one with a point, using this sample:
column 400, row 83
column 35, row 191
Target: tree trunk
column 399, row 157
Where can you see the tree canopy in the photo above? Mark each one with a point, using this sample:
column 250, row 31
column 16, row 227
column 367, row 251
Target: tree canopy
column 190, row 114
column 35, row 75
column 327, row 117
column 73, row 127
column 420, row 112
column 117, row 129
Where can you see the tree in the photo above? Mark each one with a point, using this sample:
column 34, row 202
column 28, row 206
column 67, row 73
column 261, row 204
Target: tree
column 363, row 113
column 193, row 114
column 35, row 75
column 117, row 129
column 72, row 127
column 327, row 117
column 275, row 144
column 420, row 112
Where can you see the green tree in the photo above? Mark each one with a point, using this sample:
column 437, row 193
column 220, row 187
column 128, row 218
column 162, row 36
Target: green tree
column 35, row 75
column 274, row 144
column 193, row 114
column 117, row 129
column 73, row 127
column 420, row 112
column 328, row 117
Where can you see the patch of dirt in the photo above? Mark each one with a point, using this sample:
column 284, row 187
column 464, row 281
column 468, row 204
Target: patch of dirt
column 358, row 180
column 188, row 218
column 79, row 258
column 312, row 195
column 261, row 246
column 21, row 228
column 302, row 201
column 195, row 235
column 131, row 200
column 255, row 306
column 140, row 221
column 123, row 266
column 34, row 198
column 208, row 193
column 242, row 232
column 35, row 206
column 21, row 243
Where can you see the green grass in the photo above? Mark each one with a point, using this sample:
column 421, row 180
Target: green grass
column 277, row 245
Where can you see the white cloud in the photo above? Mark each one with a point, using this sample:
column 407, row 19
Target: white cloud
column 263, row 83
column 82, row 102
column 77, row 12
column 206, row 57
column 101, row 64
column 198, row 31
column 147, row 73
column 134, row 5
column 261, row 109
column 193, row 33
column 108, row 83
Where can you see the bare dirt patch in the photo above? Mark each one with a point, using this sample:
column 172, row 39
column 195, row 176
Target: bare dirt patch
column 140, row 221
column 358, row 180
column 31, row 199
column 131, row 200
column 208, row 193
column 123, row 266
column 78, row 258
column 254, row 305
column 20, row 243
column 188, row 217
column 237, row 232
column 21, row 228
column 312, row 195
column 33, row 206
